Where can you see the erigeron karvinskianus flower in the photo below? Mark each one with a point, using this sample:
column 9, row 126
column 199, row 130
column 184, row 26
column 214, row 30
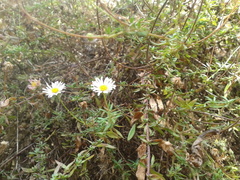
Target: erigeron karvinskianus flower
column 34, row 84
column 55, row 89
column 101, row 85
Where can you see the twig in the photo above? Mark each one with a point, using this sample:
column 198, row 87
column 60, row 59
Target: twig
column 63, row 32
column 229, row 119
column 148, row 149
column 160, row 11
column 230, row 57
column 219, row 26
column 214, row 115
column 191, row 10
column 115, row 16
column 151, row 30
column 104, row 36
column 17, row 140
column 195, row 21
column 14, row 155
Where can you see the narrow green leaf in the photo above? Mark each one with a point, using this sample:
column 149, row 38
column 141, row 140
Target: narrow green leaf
column 131, row 132
column 106, row 145
column 112, row 134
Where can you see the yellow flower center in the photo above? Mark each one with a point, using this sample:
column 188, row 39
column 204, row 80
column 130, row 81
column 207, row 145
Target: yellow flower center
column 103, row 88
column 55, row 90
column 34, row 84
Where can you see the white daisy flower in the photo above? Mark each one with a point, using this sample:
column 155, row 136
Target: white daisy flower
column 54, row 89
column 101, row 85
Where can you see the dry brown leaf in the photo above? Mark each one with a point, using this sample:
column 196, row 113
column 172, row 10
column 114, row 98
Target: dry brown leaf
column 105, row 160
column 78, row 143
column 166, row 146
column 141, row 170
column 156, row 104
column 177, row 81
column 169, row 106
column 196, row 158
column 83, row 104
column 3, row 146
column 4, row 103
column 136, row 116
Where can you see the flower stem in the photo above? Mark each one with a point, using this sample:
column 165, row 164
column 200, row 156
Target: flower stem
column 69, row 111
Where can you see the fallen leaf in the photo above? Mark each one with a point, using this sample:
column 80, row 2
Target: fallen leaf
column 3, row 146
column 156, row 104
column 4, row 103
column 83, row 104
column 141, row 169
column 196, row 157
column 136, row 116
column 177, row 81
column 78, row 143
column 166, row 146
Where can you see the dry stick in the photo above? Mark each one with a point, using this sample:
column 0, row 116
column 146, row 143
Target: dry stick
column 146, row 3
column 148, row 163
column 14, row 155
column 230, row 57
column 148, row 152
column 214, row 115
column 17, row 142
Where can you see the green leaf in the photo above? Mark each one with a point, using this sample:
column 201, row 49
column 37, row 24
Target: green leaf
column 131, row 132
column 112, row 134
column 106, row 145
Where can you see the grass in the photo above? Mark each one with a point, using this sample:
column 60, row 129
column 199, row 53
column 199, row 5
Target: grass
column 174, row 113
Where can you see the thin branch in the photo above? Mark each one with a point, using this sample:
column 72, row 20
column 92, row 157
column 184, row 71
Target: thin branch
column 160, row 11
column 104, row 36
column 148, row 152
column 115, row 16
column 63, row 32
column 191, row 10
column 14, row 155
column 195, row 21
column 219, row 26
column 154, row 24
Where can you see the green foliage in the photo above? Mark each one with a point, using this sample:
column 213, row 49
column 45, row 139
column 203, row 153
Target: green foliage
column 176, row 67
